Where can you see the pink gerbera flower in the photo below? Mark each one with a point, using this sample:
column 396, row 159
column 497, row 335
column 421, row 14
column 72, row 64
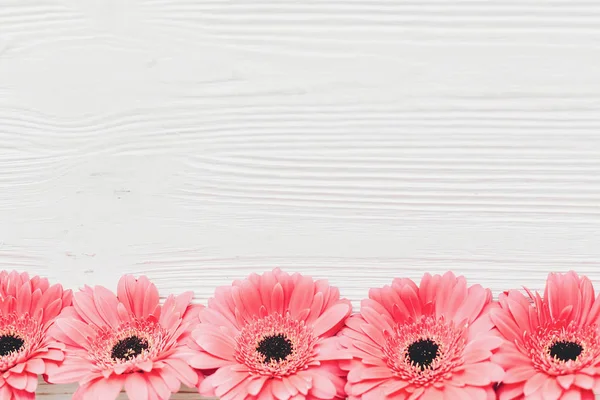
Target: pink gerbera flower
column 128, row 340
column 271, row 336
column 553, row 345
column 430, row 342
column 28, row 307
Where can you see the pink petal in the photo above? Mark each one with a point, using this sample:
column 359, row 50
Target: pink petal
column 72, row 370
column 534, row 383
column 301, row 296
column 214, row 341
column 36, row 366
column 594, row 313
column 588, row 395
column 584, row 381
column 375, row 319
column 483, row 324
column 32, row 382
column 417, row 393
column 159, row 386
column 322, row 387
column 477, row 298
column 428, row 288
column 519, row 312
column 408, row 294
column 255, row 386
column 452, row 392
column 315, row 308
column 170, row 379
column 279, row 389
column 331, row 318
column 278, row 299
column 373, row 333
column 52, row 293
column 122, row 312
column 183, row 371
column 106, row 389
column 76, row 331
column 551, row 390
column 52, row 310
column 510, row 392
column 331, row 349
column 266, row 283
column 457, row 296
column 145, row 365
column 432, row 393
column 210, row 316
column 572, row 394
column 505, row 324
column 84, row 304
column 53, row 354
column 371, row 373
column 18, row 381
column 136, row 387
column 24, row 298
column 565, row 380
column 20, row 367
column 477, row 355
column 393, row 386
column 486, row 342
column 301, row 384
column 229, row 382
column 482, row 374
column 151, row 300
column 251, row 297
column 290, row 386
column 519, row 374
column 125, row 291
column 203, row 360
column 106, row 305
column 510, row 356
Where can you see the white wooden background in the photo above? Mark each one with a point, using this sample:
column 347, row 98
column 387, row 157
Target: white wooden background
column 196, row 141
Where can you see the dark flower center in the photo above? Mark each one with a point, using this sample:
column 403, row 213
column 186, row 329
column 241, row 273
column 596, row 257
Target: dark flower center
column 422, row 353
column 128, row 348
column 10, row 344
column 566, row 351
column 275, row 347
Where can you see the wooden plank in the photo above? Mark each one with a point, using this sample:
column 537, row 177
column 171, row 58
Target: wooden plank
column 196, row 141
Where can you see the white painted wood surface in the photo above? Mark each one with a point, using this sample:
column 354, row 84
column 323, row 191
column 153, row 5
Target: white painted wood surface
column 196, row 141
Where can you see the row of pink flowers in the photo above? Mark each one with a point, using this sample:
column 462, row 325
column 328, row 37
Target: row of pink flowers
column 277, row 336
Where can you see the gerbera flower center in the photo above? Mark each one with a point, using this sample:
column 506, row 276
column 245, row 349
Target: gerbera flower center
column 128, row 348
column 422, row 352
column 10, row 344
column 560, row 349
column 275, row 347
column 565, row 351
column 19, row 336
column 128, row 345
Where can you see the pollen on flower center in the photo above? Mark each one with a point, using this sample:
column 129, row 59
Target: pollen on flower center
column 128, row 348
column 559, row 349
column 565, row 351
column 10, row 344
column 275, row 347
column 422, row 352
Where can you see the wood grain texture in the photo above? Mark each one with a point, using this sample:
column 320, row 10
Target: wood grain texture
column 196, row 141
